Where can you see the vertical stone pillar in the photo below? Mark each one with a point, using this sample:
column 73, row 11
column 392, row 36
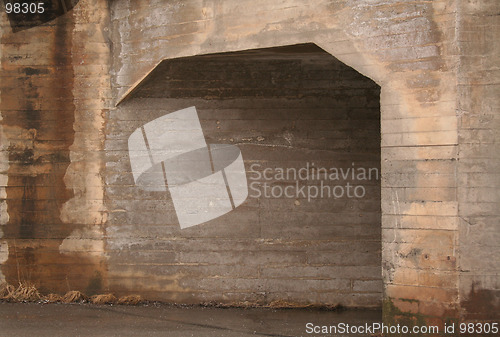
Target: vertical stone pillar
column 478, row 105
column 53, row 93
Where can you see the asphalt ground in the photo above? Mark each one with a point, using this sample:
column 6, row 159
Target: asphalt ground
column 53, row 320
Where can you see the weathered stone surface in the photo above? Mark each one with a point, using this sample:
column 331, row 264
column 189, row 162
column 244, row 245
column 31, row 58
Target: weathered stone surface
column 287, row 108
column 51, row 137
column 67, row 193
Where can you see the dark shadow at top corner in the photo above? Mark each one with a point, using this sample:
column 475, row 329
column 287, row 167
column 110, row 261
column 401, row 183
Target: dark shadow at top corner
column 31, row 14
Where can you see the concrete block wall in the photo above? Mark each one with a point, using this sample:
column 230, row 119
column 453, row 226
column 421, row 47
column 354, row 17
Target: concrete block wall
column 479, row 156
column 286, row 108
column 435, row 62
column 55, row 86
column 409, row 49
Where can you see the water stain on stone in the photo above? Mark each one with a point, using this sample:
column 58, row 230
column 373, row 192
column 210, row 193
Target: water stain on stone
column 38, row 116
column 95, row 284
column 482, row 304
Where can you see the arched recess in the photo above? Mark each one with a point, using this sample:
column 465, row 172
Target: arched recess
column 308, row 128
column 407, row 58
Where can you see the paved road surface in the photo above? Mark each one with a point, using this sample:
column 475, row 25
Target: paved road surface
column 54, row 320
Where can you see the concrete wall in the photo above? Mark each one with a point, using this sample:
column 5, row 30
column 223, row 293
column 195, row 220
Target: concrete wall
column 434, row 61
column 285, row 108
column 55, row 86
column 408, row 49
column 478, row 176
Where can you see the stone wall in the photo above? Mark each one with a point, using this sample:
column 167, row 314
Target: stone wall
column 436, row 65
column 408, row 48
column 55, row 88
column 292, row 110
column 479, row 156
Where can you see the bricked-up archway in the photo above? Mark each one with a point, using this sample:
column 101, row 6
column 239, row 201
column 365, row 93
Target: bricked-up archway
column 293, row 109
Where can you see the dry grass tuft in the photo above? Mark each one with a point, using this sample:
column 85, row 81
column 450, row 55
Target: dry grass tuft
column 74, row 296
column 53, row 298
column 130, row 300
column 6, row 291
column 25, row 292
column 104, row 299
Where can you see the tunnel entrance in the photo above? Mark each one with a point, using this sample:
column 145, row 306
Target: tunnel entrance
column 308, row 128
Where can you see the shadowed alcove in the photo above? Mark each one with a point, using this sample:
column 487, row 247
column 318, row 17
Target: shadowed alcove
column 308, row 128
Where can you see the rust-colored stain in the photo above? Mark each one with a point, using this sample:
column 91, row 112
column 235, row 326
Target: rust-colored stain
column 38, row 105
column 482, row 304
